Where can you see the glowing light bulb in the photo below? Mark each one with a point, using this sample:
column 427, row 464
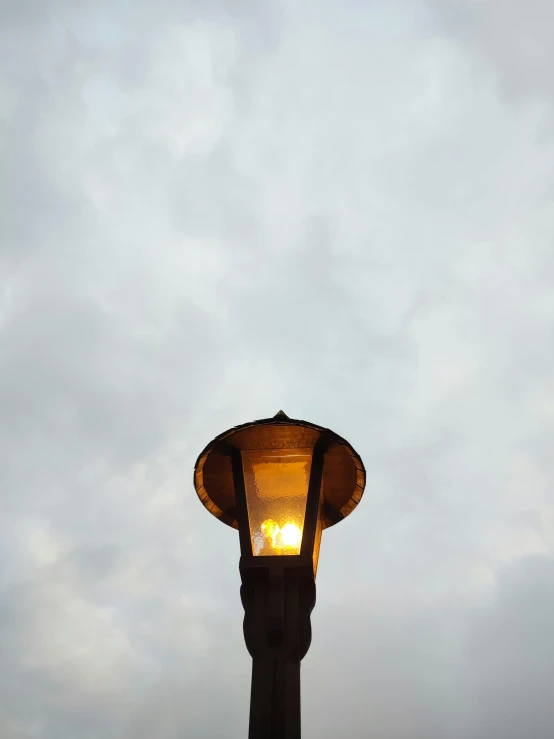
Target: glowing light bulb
column 283, row 539
column 291, row 535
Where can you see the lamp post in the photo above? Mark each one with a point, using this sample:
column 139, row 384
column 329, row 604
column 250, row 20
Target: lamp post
column 280, row 482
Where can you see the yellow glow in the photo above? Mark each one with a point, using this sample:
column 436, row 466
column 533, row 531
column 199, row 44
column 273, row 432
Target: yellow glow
column 285, row 539
column 291, row 535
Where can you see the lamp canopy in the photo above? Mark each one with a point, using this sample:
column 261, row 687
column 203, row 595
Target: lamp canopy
column 286, row 442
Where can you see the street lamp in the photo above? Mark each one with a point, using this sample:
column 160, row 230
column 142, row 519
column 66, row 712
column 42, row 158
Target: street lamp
column 280, row 482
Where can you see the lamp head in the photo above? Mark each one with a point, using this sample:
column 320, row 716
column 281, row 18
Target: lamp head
column 280, row 482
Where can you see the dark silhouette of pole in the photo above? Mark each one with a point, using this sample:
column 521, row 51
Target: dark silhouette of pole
column 278, row 601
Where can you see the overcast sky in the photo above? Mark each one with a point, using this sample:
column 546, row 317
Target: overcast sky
column 213, row 210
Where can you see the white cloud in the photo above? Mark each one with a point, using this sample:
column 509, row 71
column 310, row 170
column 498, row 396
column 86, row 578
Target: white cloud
column 214, row 211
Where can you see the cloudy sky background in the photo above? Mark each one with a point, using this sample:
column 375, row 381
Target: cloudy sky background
column 214, row 210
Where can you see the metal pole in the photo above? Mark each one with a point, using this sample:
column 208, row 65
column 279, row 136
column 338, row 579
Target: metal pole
column 277, row 602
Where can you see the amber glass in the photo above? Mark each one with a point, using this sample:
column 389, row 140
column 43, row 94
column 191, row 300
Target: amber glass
column 276, row 485
column 318, row 532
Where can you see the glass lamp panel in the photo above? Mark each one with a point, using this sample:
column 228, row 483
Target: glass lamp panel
column 318, row 532
column 276, row 484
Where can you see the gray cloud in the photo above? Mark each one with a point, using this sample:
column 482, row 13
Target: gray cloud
column 510, row 655
column 515, row 38
column 456, row 670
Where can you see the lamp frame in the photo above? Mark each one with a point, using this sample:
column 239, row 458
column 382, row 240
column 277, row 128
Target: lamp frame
column 311, row 513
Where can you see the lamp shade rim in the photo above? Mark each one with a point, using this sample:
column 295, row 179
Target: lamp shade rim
column 339, row 505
